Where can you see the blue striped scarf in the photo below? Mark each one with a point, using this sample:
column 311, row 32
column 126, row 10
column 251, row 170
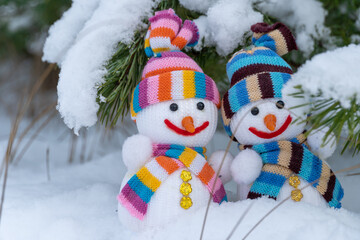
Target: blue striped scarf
column 282, row 159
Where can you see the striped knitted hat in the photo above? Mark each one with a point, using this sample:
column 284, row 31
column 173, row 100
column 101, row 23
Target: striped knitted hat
column 258, row 73
column 170, row 74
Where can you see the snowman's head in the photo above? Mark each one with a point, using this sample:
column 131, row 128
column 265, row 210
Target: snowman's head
column 175, row 102
column 267, row 120
column 188, row 122
column 254, row 109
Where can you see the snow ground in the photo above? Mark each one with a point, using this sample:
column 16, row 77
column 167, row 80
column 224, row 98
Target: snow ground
column 79, row 202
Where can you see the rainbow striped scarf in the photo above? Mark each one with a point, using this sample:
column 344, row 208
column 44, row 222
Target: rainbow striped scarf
column 282, row 159
column 137, row 192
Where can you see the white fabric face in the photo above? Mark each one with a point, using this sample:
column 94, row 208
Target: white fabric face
column 150, row 122
column 243, row 120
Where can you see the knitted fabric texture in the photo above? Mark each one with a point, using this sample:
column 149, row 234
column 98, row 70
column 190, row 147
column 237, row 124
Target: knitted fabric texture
column 170, row 74
column 258, row 73
column 282, row 159
column 137, row 192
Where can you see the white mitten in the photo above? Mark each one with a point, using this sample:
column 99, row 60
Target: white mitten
column 136, row 151
column 215, row 162
column 246, row 167
column 315, row 140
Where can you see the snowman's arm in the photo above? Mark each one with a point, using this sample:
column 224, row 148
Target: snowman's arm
column 246, row 167
column 215, row 161
column 315, row 141
column 136, row 151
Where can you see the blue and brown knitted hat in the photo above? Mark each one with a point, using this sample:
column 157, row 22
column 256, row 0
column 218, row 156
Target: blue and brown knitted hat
column 260, row 72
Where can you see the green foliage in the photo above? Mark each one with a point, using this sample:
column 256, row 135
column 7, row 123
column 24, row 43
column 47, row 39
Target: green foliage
column 341, row 18
column 328, row 115
column 39, row 15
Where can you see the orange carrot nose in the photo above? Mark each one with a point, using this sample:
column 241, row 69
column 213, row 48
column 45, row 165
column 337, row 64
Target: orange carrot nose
column 270, row 122
column 188, row 124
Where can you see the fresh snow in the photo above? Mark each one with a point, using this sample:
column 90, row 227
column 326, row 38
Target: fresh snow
column 334, row 73
column 62, row 36
column 83, row 66
column 227, row 24
column 306, row 17
column 198, row 5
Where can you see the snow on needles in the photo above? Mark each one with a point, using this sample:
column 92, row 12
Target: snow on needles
column 334, row 73
column 83, row 68
column 63, row 33
column 306, row 17
column 226, row 24
column 197, row 5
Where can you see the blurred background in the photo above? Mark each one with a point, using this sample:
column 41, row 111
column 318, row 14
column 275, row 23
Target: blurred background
column 30, row 122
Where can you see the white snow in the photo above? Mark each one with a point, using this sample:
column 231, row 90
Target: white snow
column 290, row 221
column 83, row 66
column 22, row 21
column 63, row 32
column 198, row 5
column 226, row 24
column 357, row 23
column 334, row 73
column 306, row 17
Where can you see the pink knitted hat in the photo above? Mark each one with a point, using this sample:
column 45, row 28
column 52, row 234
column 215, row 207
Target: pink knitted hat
column 170, row 74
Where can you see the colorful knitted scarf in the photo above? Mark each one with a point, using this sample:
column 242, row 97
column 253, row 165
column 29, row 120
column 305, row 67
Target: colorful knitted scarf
column 282, row 159
column 137, row 192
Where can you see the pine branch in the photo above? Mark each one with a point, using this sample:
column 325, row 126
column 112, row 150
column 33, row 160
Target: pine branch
column 339, row 121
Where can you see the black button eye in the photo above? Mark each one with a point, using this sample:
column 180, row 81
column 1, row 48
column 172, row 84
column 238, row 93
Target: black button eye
column 174, row 107
column 280, row 104
column 254, row 111
column 200, row 105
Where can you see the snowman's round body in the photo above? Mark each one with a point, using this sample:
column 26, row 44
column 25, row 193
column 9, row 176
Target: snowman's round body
column 266, row 121
column 153, row 124
column 310, row 194
column 165, row 203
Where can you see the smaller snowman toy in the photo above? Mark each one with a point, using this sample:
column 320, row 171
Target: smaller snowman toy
column 175, row 107
column 276, row 159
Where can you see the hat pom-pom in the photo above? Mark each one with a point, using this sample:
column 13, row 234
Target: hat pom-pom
column 167, row 33
column 277, row 37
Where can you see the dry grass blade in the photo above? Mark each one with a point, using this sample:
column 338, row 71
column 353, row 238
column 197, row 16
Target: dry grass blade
column 48, row 164
column 83, row 147
column 20, row 114
column 209, row 201
column 218, row 172
column 240, row 220
column 36, row 133
column 8, row 154
column 30, row 126
column 352, row 174
column 74, row 140
column 283, row 201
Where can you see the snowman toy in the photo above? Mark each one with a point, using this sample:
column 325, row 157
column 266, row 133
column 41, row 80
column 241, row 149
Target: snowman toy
column 276, row 159
column 175, row 107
